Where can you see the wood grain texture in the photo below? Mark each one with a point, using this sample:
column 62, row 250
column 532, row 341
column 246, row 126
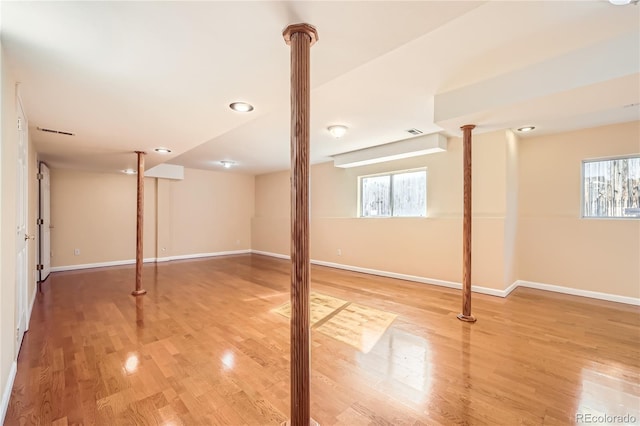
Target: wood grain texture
column 300, row 37
column 358, row 325
column 139, row 291
column 466, row 226
column 211, row 351
column 304, row 28
column 320, row 306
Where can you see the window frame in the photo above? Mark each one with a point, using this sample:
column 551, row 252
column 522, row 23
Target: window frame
column 390, row 174
column 582, row 189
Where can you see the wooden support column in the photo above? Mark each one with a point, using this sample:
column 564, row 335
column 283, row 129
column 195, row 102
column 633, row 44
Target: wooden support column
column 139, row 225
column 300, row 37
column 466, row 227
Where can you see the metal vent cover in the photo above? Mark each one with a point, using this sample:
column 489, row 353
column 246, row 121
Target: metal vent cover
column 60, row 132
column 414, row 131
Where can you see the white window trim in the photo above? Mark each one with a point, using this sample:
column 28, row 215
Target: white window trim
column 593, row 160
column 391, row 173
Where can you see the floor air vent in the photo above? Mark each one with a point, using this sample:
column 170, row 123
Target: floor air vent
column 414, row 131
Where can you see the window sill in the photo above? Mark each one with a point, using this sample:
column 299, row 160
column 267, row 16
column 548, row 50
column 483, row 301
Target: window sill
column 610, row 218
column 392, row 217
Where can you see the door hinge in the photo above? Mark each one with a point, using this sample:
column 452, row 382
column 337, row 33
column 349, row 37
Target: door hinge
column 40, row 176
column 19, row 124
column 39, row 267
column 40, row 222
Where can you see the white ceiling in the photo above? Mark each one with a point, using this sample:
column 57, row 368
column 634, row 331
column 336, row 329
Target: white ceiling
column 128, row 76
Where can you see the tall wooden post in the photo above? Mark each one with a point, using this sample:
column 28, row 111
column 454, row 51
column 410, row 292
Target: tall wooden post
column 466, row 227
column 300, row 37
column 139, row 225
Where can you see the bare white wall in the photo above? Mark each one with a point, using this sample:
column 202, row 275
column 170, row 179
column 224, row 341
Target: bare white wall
column 8, row 162
column 557, row 246
column 207, row 212
column 526, row 216
column 427, row 247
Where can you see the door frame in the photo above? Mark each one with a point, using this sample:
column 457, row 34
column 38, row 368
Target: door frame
column 42, row 224
column 22, row 288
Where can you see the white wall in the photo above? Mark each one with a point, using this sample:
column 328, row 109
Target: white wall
column 557, row 246
column 8, row 162
column 426, row 247
column 526, row 216
column 96, row 213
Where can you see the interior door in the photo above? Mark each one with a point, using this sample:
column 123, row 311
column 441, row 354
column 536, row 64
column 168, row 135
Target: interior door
column 21, row 230
column 44, row 223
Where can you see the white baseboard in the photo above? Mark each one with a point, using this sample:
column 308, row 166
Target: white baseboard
column 414, row 278
column 513, row 286
column 474, row 288
column 270, row 254
column 99, row 264
column 577, row 292
column 6, row 394
column 200, row 255
column 146, row 260
column 33, row 300
column 406, row 277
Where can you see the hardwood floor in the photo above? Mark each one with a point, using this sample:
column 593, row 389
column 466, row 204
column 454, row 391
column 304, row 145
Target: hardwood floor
column 204, row 347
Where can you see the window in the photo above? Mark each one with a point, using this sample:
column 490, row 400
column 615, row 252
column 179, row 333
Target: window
column 611, row 188
column 400, row 194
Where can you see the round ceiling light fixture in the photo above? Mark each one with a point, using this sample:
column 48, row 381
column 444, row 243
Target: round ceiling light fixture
column 526, row 129
column 162, row 150
column 227, row 164
column 241, row 107
column 338, row 130
column 129, row 171
column 619, row 2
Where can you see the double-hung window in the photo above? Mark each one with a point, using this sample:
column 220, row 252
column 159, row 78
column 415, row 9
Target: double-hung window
column 399, row 194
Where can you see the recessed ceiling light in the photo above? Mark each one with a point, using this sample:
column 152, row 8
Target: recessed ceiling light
column 526, row 129
column 241, row 107
column 227, row 164
column 162, row 150
column 129, row 171
column 338, row 130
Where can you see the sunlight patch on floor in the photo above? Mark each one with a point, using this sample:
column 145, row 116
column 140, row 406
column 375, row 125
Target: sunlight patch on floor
column 356, row 325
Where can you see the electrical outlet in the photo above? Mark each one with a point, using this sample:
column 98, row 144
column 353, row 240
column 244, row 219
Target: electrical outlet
column 76, row 252
column 339, row 252
column 237, row 242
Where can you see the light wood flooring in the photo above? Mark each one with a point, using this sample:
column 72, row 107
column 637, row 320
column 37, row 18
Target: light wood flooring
column 205, row 347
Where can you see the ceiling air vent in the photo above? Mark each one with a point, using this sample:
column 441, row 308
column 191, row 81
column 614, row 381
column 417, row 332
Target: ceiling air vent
column 60, row 132
column 414, row 131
